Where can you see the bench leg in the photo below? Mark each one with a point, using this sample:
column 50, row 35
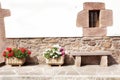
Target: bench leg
column 78, row 61
column 104, row 61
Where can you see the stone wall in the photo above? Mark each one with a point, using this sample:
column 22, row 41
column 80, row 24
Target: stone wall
column 38, row 46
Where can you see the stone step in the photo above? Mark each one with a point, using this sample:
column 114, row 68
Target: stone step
column 12, row 77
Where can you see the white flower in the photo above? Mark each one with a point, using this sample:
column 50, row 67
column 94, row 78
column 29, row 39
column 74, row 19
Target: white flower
column 48, row 49
column 57, row 45
column 54, row 51
column 51, row 54
column 56, row 56
column 58, row 52
column 53, row 57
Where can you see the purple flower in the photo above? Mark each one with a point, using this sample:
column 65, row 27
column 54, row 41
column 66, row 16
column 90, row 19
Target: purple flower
column 61, row 49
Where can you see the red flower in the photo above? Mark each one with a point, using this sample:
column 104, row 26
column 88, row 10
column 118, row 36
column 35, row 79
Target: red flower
column 22, row 50
column 4, row 53
column 9, row 49
column 29, row 52
column 10, row 54
column 15, row 52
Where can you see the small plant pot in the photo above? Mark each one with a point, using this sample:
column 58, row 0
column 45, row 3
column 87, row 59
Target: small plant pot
column 15, row 61
column 55, row 61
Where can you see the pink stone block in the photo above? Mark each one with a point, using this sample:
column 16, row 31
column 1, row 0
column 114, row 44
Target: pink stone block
column 106, row 18
column 83, row 19
column 94, row 32
column 1, row 15
column 6, row 12
column 93, row 6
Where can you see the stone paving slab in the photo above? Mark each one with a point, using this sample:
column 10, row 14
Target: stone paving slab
column 45, row 72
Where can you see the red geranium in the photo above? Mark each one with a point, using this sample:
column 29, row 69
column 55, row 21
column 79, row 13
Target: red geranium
column 9, row 49
column 11, row 54
column 22, row 50
column 29, row 52
column 4, row 53
column 16, row 52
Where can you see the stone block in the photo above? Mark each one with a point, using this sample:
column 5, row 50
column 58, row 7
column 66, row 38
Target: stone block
column 6, row 12
column 1, row 15
column 93, row 32
column 107, row 44
column 106, row 18
column 82, row 19
column 104, row 61
column 92, row 43
column 93, row 6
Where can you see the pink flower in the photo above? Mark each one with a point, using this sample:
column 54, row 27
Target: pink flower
column 61, row 49
column 63, row 53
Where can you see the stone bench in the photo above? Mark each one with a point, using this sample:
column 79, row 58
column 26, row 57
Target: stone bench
column 104, row 57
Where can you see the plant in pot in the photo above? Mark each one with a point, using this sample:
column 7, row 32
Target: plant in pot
column 55, row 55
column 16, row 56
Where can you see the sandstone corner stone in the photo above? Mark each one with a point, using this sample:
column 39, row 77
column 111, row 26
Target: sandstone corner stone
column 93, row 6
column 94, row 32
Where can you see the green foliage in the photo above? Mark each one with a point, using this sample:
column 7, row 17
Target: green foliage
column 19, row 54
column 52, row 53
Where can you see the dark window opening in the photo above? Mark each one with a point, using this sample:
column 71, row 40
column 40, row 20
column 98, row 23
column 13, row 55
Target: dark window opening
column 94, row 18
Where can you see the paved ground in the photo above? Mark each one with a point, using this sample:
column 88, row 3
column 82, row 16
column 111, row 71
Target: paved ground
column 45, row 72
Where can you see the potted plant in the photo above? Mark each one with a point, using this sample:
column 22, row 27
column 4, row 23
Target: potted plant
column 55, row 55
column 16, row 56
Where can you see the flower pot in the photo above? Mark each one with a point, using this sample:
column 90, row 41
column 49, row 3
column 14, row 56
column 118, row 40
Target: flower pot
column 15, row 61
column 55, row 61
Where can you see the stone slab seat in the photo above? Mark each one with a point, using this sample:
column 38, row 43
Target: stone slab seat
column 104, row 57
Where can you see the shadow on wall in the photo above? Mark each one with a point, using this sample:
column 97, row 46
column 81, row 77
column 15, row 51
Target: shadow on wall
column 111, row 61
column 69, row 60
column 32, row 60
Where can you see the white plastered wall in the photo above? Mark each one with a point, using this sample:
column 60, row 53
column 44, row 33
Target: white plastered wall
column 51, row 18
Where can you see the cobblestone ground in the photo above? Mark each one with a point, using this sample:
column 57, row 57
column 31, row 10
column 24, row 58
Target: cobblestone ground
column 45, row 72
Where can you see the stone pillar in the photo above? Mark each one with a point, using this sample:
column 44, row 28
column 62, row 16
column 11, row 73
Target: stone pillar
column 104, row 61
column 3, row 13
column 78, row 61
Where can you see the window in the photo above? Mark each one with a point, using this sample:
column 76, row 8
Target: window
column 94, row 18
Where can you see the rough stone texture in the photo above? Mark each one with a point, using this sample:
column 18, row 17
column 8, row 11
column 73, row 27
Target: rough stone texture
column 94, row 32
column 106, row 18
column 93, row 6
column 92, row 43
column 38, row 46
column 107, row 44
